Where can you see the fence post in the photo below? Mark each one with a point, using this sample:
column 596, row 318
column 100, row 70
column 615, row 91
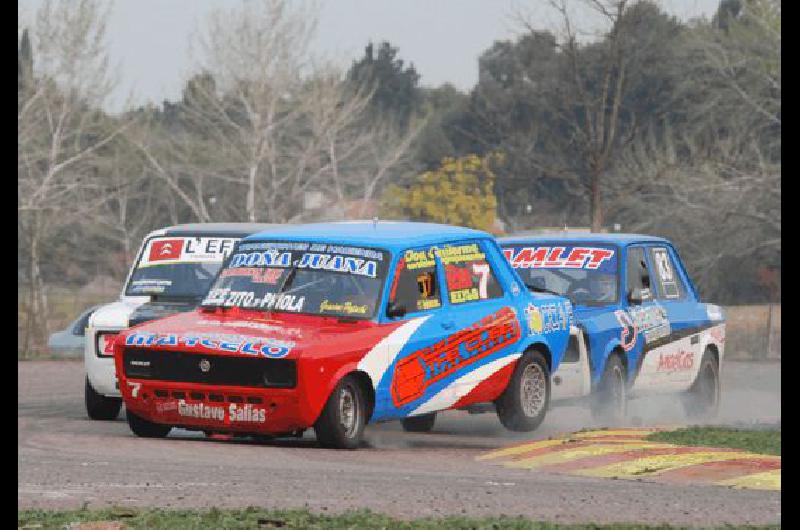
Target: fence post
column 769, row 333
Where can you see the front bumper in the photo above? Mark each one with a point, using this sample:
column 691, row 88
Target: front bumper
column 215, row 408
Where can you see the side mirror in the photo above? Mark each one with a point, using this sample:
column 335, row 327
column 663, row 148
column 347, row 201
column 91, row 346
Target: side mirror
column 637, row 296
column 395, row 310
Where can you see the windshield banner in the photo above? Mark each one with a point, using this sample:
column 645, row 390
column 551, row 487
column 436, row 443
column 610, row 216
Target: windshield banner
column 562, row 257
column 168, row 250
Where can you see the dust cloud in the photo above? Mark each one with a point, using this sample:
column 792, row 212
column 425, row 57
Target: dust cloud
column 751, row 398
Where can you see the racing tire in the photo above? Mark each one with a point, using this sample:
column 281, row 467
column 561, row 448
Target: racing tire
column 523, row 404
column 98, row 406
column 341, row 423
column 610, row 401
column 146, row 429
column 701, row 401
column 421, row 423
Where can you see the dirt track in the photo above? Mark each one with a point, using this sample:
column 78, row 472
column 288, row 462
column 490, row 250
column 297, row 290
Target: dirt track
column 66, row 460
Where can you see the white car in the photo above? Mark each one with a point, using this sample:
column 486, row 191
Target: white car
column 172, row 273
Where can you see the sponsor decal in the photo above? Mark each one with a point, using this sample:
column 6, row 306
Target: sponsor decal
column 417, row 371
column 675, row 362
column 650, row 320
column 666, row 276
column 166, row 406
column 201, row 410
column 106, row 343
column 247, row 299
column 272, row 348
column 187, row 249
column 165, row 249
column 461, row 253
column 256, row 275
column 419, row 259
column 307, row 260
column 245, row 413
column 549, row 317
column 347, row 307
column 151, row 285
column 535, row 319
column 558, row 257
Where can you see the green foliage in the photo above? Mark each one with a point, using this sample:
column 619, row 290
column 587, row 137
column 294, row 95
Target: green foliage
column 459, row 192
column 394, row 83
column 260, row 518
column 766, row 442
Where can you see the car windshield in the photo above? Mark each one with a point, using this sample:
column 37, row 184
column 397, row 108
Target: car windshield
column 299, row 277
column 587, row 274
column 178, row 267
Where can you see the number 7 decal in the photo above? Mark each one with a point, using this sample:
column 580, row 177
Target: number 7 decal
column 482, row 270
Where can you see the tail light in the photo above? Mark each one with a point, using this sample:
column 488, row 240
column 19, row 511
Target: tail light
column 105, row 344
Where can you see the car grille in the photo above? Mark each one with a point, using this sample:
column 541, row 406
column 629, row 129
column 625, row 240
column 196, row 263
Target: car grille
column 184, row 367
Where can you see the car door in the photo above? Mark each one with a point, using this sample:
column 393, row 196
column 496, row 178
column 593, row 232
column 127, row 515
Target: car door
column 415, row 301
column 644, row 322
column 483, row 327
column 680, row 356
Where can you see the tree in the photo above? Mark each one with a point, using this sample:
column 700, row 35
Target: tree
column 267, row 124
column 60, row 134
column 394, row 84
column 459, row 192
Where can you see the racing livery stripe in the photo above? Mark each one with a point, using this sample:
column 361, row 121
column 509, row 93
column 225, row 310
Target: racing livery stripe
column 382, row 355
column 462, row 386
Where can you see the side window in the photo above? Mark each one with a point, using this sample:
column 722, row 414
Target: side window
column 638, row 275
column 80, row 326
column 415, row 286
column 670, row 285
column 469, row 275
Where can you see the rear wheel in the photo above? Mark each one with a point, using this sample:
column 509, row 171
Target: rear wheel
column 341, row 423
column 701, row 401
column 523, row 405
column 146, row 429
column 610, row 402
column 98, row 406
column 422, row 423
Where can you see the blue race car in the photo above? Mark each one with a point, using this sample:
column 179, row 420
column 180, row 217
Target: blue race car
column 641, row 327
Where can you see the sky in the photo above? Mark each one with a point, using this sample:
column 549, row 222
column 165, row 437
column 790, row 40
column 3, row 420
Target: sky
column 149, row 39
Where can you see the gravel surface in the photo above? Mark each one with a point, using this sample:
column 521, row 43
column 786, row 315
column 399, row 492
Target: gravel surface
column 67, row 461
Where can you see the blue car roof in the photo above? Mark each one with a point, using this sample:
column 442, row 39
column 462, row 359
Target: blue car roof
column 613, row 239
column 390, row 235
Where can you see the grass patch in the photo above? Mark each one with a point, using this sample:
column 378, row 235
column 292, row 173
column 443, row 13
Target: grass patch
column 767, row 442
column 264, row 519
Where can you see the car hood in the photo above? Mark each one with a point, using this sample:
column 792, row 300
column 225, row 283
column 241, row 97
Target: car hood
column 116, row 314
column 250, row 333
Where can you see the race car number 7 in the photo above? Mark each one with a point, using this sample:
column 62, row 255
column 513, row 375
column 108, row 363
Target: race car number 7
column 482, row 270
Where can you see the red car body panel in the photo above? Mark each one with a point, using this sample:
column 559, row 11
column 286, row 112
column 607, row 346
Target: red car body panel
column 331, row 348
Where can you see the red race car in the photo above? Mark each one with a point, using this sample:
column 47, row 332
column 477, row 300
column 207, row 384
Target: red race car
column 335, row 325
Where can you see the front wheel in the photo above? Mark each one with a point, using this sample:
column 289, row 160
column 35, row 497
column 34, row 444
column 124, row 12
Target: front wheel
column 146, row 429
column 341, row 422
column 610, row 401
column 98, row 406
column 523, row 405
column 701, row 401
column 422, row 423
